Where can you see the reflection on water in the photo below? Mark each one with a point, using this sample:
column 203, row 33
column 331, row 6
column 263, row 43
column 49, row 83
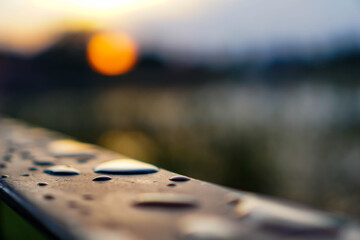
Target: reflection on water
column 298, row 141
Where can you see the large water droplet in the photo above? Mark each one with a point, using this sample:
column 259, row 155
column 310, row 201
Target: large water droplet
column 281, row 217
column 165, row 200
column 125, row 166
column 62, row 170
column 33, row 169
column 102, row 178
column 207, row 227
column 179, row 179
column 69, row 148
column 2, row 165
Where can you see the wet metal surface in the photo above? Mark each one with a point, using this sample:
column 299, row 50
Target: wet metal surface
column 153, row 204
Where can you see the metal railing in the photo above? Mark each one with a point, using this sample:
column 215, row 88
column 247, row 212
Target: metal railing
column 74, row 190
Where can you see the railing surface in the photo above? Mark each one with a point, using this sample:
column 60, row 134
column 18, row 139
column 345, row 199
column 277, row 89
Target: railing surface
column 62, row 187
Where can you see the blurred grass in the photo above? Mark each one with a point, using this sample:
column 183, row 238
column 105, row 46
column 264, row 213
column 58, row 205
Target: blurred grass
column 13, row 226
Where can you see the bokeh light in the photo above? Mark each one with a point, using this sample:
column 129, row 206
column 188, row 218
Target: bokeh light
column 112, row 53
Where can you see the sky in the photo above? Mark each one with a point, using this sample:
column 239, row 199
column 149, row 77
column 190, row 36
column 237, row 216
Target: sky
column 183, row 31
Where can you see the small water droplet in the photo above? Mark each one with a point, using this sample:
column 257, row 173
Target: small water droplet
column 49, row 197
column 62, row 170
column 7, row 158
column 33, row 169
column 44, row 161
column 125, row 166
column 234, row 198
column 82, row 160
column 73, row 204
column 102, row 178
column 179, row 179
column 205, row 226
column 25, row 175
column 165, row 200
column 2, row 165
column 42, row 184
column 11, row 149
column 234, row 201
column 25, row 154
column 171, row 185
column 4, row 176
column 88, row 197
column 85, row 158
column 85, row 212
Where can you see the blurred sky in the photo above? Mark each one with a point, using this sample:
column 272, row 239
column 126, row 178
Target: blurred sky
column 183, row 31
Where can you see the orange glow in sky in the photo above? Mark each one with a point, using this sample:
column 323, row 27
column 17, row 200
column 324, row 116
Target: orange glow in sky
column 112, row 53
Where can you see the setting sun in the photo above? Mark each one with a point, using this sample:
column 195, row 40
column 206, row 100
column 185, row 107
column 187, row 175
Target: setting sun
column 112, row 53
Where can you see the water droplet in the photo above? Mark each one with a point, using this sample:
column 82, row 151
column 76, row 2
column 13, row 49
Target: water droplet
column 82, row 160
column 88, row 197
column 165, row 200
column 85, row 158
column 179, row 179
column 234, row 201
column 125, row 166
column 171, row 185
column 205, row 226
column 11, row 149
column 38, row 163
column 2, row 165
column 7, row 158
column 4, row 176
column 33, row 169
column 280, row 216
column 234, row 198
column 25, row 175
column 49, row 197
column 42, row 184
column 102, row 178
column 44, row 161
column 69, row 148
column 25, row 154
column 73, row 204
column 62, row 170
column 85, row 212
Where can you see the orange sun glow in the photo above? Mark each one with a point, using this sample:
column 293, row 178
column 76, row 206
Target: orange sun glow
column 112, row 53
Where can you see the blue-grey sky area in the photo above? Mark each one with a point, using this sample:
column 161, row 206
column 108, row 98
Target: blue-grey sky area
column 182, row 30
